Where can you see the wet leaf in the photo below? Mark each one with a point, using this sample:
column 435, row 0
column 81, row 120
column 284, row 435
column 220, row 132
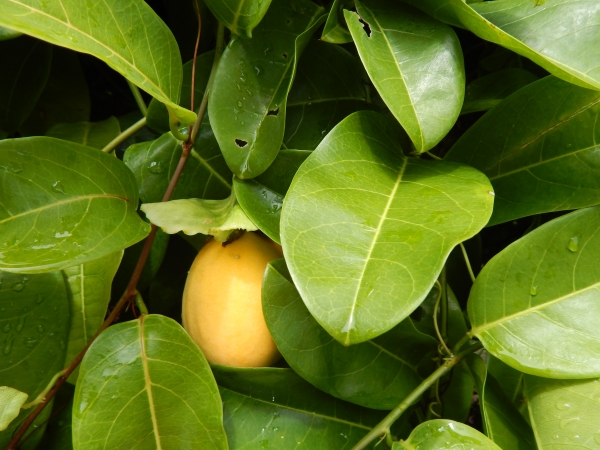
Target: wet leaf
column 440, row 433
column 415, row 63
column 362, row 245
column 378, row 373
column 145, row 384
column 91, row 134
column 240, row 16
column 80, row 205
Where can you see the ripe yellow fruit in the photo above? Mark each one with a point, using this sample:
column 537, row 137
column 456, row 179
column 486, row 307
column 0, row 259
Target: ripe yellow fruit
column 222, row 309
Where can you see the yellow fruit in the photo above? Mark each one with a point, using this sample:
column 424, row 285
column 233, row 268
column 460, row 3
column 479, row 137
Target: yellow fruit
column 222, row 309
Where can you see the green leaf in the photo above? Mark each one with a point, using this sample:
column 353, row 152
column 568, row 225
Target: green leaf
column 329, row 85
column 59, row 432
column 158, row 115
column 501, row 421
column 457, row 394
column 11, row 401
column 89, row 294
column 240, row 16
column 25, row 69
column 534, row 305
column 539, row 155
column 144, row 384
column 192, row 216
column 486, row 92
column 262, row 197
column 564, row 413
column 6, row 34
column 275, row 408
column 335, row 30
column 248, row 99
column 377, row 374
column 34, row 319
column 153, row 164
column 65, row 99
column 415, row 63
column 91, row 134
column 511, row 382
column 68, row 204
column 125, row 34
column 366, row 230
column 559, row 35
column 440, row 433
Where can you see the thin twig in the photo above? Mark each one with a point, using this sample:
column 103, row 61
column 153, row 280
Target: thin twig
column 138, row 98
column 125, row 135
column 467, row 262
column 387, row 422
column 435, row 323
column 192, row 95
column 130, row 291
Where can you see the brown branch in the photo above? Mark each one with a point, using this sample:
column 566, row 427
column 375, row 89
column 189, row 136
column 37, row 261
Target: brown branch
column 131, row 289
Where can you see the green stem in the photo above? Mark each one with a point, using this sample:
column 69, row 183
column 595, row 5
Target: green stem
column 139, row 302
column 138, row 98
column 125, row 135
column 173, row 124
column 467, row 262
column 42, row 395
column 435, row 321
column 444, row 304
column 437, row 158
column 387, row 422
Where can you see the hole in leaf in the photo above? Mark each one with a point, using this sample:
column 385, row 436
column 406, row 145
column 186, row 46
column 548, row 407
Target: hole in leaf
column 273, row 112
column 366, row 26
column 241, row 143
column 284, row 55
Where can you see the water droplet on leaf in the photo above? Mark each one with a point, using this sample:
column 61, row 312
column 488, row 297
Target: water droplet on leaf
column 573, row 244
column 156, row 167
column 57, row 186
column 533, row 290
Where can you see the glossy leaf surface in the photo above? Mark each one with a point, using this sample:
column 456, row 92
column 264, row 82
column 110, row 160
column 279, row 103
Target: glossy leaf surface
column 25, row 69
column 34, row 320
column 564, row 413
column 91, row 134
column 534, row 305
column 362, row 246
column 89, row 294
column 153, row 164
column 557, row 35
column 334, row 30
column 486, row 92
column 540, row 155
column 377, row 374
column 440, row 433
column 415, row 63
column 240, row 16
column 145, row 384
column 270, row 407
column 262, row 197
column 329, row 85
column 127, row 35
column 501, row 421
column 192, row 216
column 11, row 401
column 80, row 205
column 248, row 101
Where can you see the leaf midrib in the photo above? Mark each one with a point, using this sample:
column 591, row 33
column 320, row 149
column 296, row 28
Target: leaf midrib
column 148, row 384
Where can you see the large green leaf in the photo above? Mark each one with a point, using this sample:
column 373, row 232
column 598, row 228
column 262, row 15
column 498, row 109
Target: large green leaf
column 144, row 384
column 377, row 374
column 540, row 155
column 91, row 134
column 205, row 175
column 125, row 34
column 34, row 319
column 25, row 69
column 63, row 204
column 487, row 91
column 89, row 294
column 240, row 16
column 262, row 197
column 248, row 101
column 511, row 381
column 328, row 86
column 366, row 230
column 534, row 305
column 415, row 63
column 559, row 35
column 564, row 413
column 445, row 434
column 65, row 99
column 275, row 408
column 501, row 421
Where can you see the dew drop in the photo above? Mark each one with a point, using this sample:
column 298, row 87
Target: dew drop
column 249, row 92
column 39, row 299
column 20, row 323
column 40, row 328
column 57, row 186
column 18, row 286
column 241, row 123
column 8, row 344
column 239, row 104
column 533, row 290
column 563, row 406
column 63, row 234
column 156, row 167
column 573, row 244
column 6, row 328
column 3, row 309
